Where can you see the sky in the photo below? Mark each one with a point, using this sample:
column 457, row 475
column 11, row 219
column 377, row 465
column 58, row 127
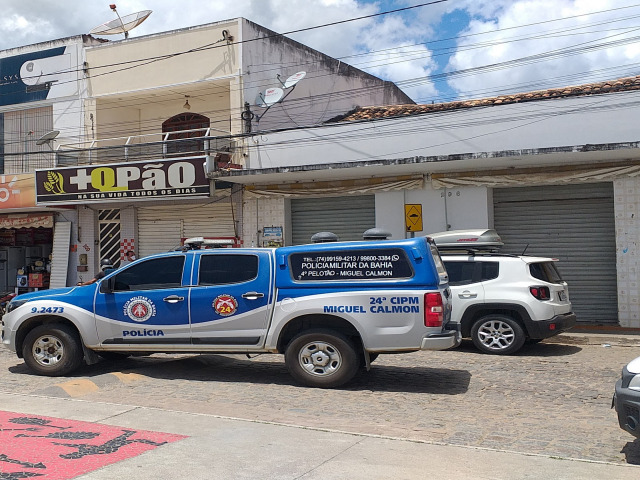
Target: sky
column 439, row 51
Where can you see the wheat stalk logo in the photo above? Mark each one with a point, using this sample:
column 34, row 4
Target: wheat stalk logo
column 54, row 183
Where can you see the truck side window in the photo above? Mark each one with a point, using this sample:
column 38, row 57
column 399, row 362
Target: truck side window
column 224, row 269
column 156, row 273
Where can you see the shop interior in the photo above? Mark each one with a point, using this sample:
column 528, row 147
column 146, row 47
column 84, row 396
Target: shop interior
column 25, row 259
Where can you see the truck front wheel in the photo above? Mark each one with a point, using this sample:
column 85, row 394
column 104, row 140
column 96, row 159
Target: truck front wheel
column 52, row 350
column 321, row 358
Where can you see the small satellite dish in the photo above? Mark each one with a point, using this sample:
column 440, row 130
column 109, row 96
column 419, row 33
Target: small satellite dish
column 269, row 97
column 47, row 137
column 121, row 25
column 293, row 79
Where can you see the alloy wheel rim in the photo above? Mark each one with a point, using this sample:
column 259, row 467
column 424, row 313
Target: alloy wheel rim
column 496, row 335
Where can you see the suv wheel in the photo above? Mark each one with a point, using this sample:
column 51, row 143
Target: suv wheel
column 497, row 334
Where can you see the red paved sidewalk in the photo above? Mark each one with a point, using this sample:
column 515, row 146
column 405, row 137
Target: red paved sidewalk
column 58, row 449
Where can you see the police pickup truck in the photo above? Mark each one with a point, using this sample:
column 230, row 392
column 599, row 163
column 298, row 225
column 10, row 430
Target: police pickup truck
column 329, row 308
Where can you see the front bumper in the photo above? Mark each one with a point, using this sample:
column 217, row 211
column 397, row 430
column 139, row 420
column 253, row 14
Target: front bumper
column 548, row 328
column 627, row 405
column 441, row 341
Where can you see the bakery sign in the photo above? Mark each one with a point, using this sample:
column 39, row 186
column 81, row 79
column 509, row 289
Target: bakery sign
column 182, row 177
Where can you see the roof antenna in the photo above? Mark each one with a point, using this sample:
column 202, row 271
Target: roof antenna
column 525, row 249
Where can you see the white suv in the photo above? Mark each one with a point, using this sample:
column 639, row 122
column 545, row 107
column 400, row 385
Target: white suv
column 500, row 300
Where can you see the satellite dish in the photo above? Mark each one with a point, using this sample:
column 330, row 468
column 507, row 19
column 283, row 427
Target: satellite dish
column 121, row 25
column 293, row 79
column 47, row 137
column 269, row 97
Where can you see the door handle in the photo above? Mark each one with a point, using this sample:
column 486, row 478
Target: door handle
column 467, row 294
column 252, row 295
column 173, row 299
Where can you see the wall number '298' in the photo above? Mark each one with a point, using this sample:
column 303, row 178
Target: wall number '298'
column 47, row 310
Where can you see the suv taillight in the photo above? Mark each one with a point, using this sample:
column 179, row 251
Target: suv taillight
column 434, row 310
column 541, row 293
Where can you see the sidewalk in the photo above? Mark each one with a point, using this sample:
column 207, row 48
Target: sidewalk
column 584, row 337
column 227, row 448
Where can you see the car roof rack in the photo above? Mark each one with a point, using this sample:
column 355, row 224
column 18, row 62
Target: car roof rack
column 471, row 241
column 197, row 243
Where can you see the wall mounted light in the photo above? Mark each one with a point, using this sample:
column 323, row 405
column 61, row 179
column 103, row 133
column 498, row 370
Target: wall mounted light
column 186, row 105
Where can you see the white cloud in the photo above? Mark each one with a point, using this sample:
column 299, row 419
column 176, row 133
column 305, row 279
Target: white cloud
column 512, row 43
column 46, row 20
column 397, row 42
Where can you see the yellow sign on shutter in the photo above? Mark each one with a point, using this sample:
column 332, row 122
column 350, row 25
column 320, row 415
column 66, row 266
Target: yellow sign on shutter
column 413, row 217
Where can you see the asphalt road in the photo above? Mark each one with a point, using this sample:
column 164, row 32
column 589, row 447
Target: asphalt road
column 551, row 399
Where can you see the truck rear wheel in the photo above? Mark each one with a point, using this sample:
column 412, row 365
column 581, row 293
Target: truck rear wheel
column 52, row 350
column 321, row 358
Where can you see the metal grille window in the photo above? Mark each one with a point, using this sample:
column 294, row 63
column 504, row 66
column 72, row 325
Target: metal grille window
column 109, row 227
column 20, row 132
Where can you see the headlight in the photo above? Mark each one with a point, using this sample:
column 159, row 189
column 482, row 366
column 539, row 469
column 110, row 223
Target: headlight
column 634, row 384
column 15, row 304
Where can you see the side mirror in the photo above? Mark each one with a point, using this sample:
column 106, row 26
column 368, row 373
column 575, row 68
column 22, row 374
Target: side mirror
column 108, row 285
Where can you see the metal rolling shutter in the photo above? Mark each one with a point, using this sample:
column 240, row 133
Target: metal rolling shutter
column 160, row 228
column 347, row 217
column 574, row 223
column 60, row 254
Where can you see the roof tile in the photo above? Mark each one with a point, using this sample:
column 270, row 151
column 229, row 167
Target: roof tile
column 609, row 86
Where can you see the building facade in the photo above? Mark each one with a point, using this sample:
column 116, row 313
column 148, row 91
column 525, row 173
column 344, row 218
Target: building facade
column 119, row 138
column 555, row 172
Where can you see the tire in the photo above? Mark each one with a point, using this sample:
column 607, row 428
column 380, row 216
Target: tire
column 321, row 358
column 497, row 335
column 52, row 350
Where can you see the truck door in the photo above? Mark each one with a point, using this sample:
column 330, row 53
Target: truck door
column 149, row 304
column 230, row 298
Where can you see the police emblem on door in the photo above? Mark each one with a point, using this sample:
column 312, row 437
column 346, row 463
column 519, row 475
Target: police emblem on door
column 139, row 309
column 225, row 305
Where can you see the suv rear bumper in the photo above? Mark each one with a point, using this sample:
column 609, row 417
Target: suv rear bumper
column 442, row 341
column 548, row 328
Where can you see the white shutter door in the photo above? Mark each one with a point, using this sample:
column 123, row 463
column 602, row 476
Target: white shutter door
column 60, row 254
column 156, row 236
column 160, row 229
column 574, row 223
column 347, row 217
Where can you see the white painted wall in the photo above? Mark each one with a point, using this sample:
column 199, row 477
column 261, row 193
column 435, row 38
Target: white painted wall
column 530, row 125
column 330, row 87
column 627, row 212
column 259, row 213
column 87, row 244
column 450, row 209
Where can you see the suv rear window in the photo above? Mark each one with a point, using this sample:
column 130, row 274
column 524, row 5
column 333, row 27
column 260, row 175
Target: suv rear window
column 465, row 273
column 545, row 271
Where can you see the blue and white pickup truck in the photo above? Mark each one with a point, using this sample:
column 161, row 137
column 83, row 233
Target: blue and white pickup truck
column 329, row 308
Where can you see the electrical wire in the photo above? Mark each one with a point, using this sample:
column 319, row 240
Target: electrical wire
column 409, row 82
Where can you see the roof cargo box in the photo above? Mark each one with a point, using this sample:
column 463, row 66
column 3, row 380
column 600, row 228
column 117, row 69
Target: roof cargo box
column 468, row 240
